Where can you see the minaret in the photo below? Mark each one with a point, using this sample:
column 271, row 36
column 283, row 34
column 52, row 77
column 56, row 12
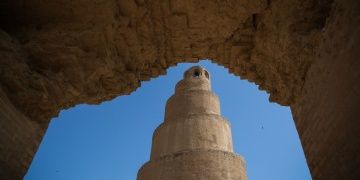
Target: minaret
column 194, row 141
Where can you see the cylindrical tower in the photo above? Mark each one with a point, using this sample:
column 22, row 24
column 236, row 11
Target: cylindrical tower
column 194, row 142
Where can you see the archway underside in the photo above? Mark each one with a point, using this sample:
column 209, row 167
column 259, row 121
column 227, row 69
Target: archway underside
column 57, row 54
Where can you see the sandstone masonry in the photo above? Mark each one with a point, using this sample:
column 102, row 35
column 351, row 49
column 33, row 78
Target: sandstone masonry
column 194, row 142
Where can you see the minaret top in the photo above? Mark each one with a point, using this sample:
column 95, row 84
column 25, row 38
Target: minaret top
column 195, row 78
column 196, row 72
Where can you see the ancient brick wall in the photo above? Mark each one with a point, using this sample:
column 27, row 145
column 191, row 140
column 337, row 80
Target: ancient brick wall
column 327, row 115
column 19, row 139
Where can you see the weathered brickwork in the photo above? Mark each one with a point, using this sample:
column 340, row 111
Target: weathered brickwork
column 19, row 139
column 328, row 114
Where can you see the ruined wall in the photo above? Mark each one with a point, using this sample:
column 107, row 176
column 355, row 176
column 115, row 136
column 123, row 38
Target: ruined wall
column 90, row 51
column 19, row 139
column 327, row 115
column 56, row 54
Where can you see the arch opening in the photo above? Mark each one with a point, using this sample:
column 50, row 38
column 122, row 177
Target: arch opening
column 124, row 146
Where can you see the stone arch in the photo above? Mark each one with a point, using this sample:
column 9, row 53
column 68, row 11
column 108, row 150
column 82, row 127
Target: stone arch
column 51, row 60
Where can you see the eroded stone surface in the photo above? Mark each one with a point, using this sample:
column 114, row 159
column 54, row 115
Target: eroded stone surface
column 91, row 51
column 327, row 114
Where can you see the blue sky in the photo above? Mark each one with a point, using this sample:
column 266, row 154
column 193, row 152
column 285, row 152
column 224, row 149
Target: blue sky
column 112, row 140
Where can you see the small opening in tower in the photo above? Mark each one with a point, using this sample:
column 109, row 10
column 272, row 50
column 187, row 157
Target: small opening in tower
column 196, row 73
column 206, row 74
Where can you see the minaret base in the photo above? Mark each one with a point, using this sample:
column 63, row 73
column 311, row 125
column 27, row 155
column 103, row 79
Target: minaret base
column 199, row 164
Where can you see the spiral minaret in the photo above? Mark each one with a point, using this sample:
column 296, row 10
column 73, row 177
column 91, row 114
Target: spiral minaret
column 194, row 142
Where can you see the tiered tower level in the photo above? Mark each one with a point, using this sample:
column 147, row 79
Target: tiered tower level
column 194, row 142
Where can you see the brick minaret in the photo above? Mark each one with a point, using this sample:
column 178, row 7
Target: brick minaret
column 194, row 142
